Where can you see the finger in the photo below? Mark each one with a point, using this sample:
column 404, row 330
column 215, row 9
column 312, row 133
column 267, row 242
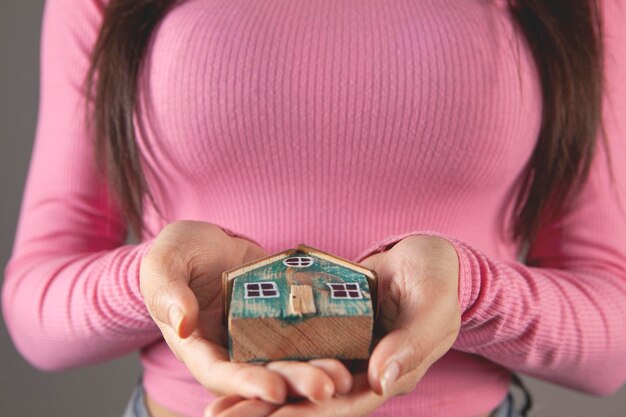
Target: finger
column 164, row 285
column 304, row 380
column 341, row 377
column 247, row 408
column 420, row 337
column 360, row 402
column 210, row 365
column 395, row 355
column 221, row 404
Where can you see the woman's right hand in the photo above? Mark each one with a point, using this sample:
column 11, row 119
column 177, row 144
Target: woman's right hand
column 180, row 280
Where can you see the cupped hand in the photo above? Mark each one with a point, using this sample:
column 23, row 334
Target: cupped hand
column 419, row 321
column 180, row 281
column 420, row 315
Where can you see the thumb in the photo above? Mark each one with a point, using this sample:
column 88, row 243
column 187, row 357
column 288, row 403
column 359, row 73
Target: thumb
column 395, row 356
column 422, row 333
column 176, row 306
column 164, row 285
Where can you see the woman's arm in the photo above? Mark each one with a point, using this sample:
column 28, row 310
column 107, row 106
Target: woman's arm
column 563, row 319
column 71, row 290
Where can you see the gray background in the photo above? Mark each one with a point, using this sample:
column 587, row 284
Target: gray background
column 102, row 390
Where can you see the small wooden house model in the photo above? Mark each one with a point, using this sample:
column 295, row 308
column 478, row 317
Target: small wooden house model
column 300, row 303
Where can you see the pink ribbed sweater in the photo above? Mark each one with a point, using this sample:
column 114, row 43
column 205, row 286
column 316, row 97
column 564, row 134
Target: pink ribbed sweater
column 345, row 125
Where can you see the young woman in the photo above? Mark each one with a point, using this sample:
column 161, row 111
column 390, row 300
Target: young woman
column 471, row 152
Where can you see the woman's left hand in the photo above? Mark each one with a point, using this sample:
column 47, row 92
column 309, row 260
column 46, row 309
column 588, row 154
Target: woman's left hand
column 419, row 317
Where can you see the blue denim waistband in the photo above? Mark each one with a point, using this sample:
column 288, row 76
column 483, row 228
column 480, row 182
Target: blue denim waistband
column 518, row 400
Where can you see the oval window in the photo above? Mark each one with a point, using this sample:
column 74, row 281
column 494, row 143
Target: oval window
column 298, row 261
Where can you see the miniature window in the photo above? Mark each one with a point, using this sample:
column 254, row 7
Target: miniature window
column 266, row 289
column 349, row 290
column 298, row 261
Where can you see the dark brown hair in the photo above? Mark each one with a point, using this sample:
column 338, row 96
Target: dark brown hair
column 564, row 36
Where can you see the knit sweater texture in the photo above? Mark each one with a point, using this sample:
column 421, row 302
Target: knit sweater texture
column 346, row 125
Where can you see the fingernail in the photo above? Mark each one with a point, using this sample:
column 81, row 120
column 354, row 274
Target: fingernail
column 390, row 376
column 175, row 317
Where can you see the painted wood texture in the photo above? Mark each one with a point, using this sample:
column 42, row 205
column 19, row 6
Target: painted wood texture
column 316, row 275
column 299, row 318
column 229, row 276
column 301, row 300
